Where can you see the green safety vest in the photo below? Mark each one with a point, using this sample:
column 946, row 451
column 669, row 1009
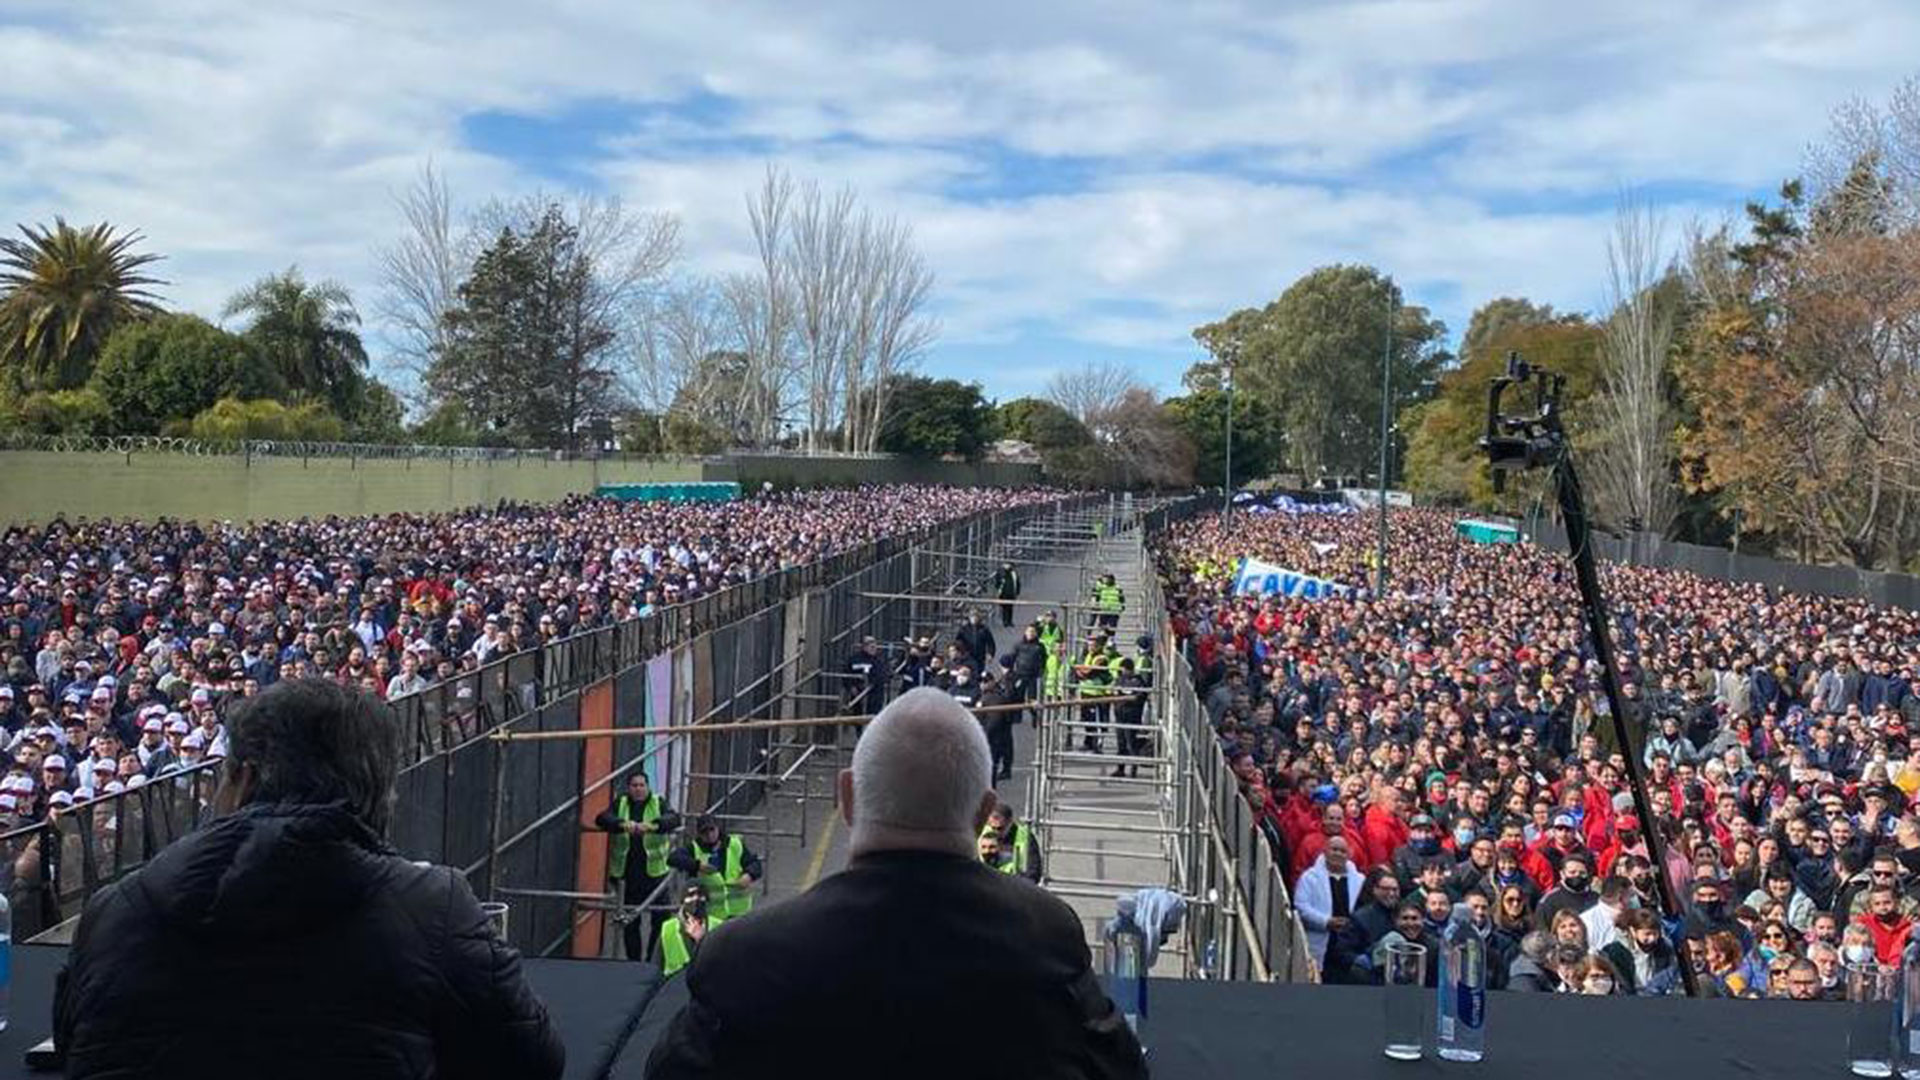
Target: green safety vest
column 1094, row 683
column 1017, row 864
column 725, row 900
column 653, row 843
column 1143, row 664
column 1049, row 634
column 674, row 953
column 1109, row 597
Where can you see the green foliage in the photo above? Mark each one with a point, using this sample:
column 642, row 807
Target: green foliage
column 530, row 338
column 1258, row 441
column 231, row 419
column 63, row 291
column 448, row 425
column 61, row 412
column 309, row 333
column 1443, row 457
column 1314, row 357
column 688, row 434
column 1066, row 447
column 378, row 416
column 934, row 417
column 174, row 367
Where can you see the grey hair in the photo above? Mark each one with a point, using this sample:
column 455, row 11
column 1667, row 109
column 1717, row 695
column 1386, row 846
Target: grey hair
column 922, row 765
column 1536, row 946
column 316, row 741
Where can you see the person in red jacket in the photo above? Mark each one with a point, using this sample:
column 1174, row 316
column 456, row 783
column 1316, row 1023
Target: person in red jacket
column 1333, row 822
column 1888, row 925
column 1542, row 861
column 1626, row 841
column 1383, row 827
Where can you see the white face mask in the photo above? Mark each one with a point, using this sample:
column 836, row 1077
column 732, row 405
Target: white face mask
column 1600, row 986
column 1857, row 954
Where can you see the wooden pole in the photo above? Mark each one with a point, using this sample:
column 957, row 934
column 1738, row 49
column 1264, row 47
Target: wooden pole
column 850, row 720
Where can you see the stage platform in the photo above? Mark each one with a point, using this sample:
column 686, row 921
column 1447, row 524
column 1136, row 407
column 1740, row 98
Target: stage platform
column 611, row 1013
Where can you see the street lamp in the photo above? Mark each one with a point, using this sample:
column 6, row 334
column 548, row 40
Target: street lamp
column 1226, row 511
column 1386, row 414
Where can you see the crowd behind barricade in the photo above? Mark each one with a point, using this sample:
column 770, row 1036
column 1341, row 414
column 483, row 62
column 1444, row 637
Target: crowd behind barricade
column 122, row 643
column 1446, row 752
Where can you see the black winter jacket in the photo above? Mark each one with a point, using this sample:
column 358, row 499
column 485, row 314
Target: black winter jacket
column 289, row 940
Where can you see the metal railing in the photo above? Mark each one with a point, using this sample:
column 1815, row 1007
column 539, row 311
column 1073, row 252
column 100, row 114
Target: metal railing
column 1261, row 936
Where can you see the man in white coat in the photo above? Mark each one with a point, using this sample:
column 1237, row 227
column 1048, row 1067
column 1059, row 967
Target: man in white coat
column 1327, row 895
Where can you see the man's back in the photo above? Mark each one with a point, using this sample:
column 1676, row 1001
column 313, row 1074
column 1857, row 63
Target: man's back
column 908, row 963
column 286, row 940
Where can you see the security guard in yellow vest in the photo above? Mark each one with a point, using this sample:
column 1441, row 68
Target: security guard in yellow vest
column 1015, row 847
column 1109, row 600
column 639, row 812
column 1050, row 634
column 720, row 863
column 680, row 936
column 1094, row 675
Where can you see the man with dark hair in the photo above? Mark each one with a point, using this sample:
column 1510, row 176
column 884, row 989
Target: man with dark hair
column 642, row 825
column 291, row 933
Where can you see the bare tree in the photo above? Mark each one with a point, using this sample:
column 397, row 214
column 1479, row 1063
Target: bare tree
column 1094, row 388
column 761, row 305
column 901, row 327
column 1633, row 462
column 1870, row 160
column 420, row 275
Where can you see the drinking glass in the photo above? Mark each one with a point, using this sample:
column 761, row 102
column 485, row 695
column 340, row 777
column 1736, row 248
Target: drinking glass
column 1870, row 988
column 496, row 914
column 1405, row 977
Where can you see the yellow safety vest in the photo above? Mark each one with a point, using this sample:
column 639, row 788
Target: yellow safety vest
column 674, row 953
column 653, row 843
column 725, row 899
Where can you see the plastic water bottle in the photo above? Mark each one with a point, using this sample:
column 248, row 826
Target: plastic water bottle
column 1461, row 1033
column 1126, row 965
column 6, row 961
column 1906, row 1014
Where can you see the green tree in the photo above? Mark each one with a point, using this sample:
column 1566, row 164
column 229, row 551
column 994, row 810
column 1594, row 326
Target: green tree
column 1443, row 456
column 174, row 367
column 61, row 412
column 1314, row 357
column 231, row 419
column 379, row 416
column 1258, row 441
column 448, row 425
column 63, row 291
column 1066, row 447
column 1499, row 315
column 934, row 417
column 530, row 341
column 309, row 331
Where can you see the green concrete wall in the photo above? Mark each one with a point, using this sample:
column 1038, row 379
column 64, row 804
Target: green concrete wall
column 36, row 486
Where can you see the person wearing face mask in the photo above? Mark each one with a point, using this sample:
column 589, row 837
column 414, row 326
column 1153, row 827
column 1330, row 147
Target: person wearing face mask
column 1422, row 849
column 1641, row 956
column 1709, row 913
column 1574, row 893
column 1597, row 977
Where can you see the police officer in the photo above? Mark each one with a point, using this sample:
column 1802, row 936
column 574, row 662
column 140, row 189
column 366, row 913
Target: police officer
column 1109, row 600
column 1016, row 847
column 1128, row 715
column 1006, row 586
column 870, row 693
column 680, row 937
column 720, row 863
column 1143, row 659
column 1093, row 675
column 998, row 724
column 639, row 812
column 1026, row 666
column 963, row 688
column 914, row 671
column 976, row 641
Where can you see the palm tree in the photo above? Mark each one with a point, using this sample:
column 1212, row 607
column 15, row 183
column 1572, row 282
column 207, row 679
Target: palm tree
column 309, row 331
column 63, row 290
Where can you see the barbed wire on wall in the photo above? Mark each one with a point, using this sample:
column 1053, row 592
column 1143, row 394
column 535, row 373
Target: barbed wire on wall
column 161, row 444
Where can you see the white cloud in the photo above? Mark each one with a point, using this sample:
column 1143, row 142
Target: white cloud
column 1191, row 158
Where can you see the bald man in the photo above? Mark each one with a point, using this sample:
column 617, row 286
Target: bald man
column 916, row 960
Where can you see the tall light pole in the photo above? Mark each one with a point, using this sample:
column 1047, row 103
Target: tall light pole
column 1226, row 511
column 1386, row 415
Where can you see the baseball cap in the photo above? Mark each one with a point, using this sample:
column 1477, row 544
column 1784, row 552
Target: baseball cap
column 1564, row 821
column 193, row 741
column 1420, row 821
column 177, row 725
column 61, row 798
column 201, row 697
column 102, row 693
column 103, row 765
column 154, row 724
column 54, row 761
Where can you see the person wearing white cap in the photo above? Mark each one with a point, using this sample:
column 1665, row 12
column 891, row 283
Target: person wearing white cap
column 53, row 772
column 153, row 740
column 348, row 959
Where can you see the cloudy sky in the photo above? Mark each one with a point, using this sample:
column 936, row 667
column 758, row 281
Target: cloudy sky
column 1089, row 181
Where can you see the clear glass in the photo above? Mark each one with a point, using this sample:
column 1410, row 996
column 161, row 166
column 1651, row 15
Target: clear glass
column 1126, row 974
column 496, row 914
column 1460, row 1025
column 1870, row 1019
column 1402, row 982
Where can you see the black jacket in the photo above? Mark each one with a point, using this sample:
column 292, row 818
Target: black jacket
column 290, row 941
column 977, row 640
column 905, row 963
column 1029, row 659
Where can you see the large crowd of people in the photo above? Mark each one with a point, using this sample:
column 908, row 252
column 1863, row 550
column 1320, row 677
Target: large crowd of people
column 122, row 643
column 1443, row 750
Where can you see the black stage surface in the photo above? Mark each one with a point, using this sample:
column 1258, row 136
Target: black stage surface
column 1200, row 1029
column 593, row 1004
